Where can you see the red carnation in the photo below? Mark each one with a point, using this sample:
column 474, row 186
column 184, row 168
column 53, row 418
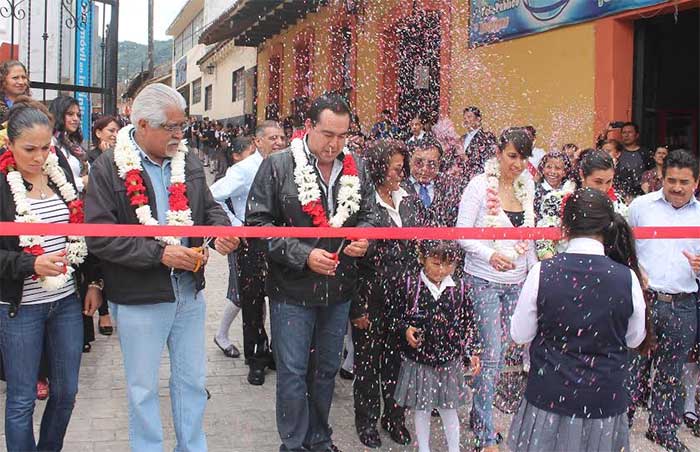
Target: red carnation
column 612, row 195
column 139, row 200
column 133, row 177
column 135, row 188
column 77, row 214
column 349, row 167
column 34, row 250
column 7, row 161
column 315, row 210
column 177, row 202
column 563, row 203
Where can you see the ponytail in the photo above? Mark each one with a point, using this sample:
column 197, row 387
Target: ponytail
column 619, row 243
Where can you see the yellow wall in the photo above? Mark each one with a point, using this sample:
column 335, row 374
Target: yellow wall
column 546, row 79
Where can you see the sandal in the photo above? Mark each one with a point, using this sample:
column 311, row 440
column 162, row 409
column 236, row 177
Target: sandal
column 231, row 351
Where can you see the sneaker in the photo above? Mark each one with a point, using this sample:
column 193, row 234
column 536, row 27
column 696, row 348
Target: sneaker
column 692, row 422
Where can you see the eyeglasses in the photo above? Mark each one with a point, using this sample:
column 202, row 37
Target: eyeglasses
column 430, row 164
column 174, row 128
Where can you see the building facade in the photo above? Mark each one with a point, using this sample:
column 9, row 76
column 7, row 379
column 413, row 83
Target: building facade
column 420, row 57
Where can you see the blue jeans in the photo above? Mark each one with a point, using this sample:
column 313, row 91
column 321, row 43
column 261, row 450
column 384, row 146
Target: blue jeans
column 58, row 326
column 493, row 307
column 675, row 325
column 144, row 331
column 306, row 379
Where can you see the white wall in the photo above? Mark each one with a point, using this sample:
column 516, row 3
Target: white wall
column 230, row 60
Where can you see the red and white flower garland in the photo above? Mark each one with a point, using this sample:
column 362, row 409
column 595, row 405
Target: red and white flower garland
column 128, row 162
column 349, row 195
column 524, row 192
column 76, row 249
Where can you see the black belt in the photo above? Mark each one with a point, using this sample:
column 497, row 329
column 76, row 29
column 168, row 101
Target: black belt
column 672, row 297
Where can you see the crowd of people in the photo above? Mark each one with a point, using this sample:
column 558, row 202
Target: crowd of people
column 571, row 336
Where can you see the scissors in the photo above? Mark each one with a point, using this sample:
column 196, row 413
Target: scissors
column 200, row 249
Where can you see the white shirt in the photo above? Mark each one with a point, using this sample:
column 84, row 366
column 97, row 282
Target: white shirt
column 472, row 213
column 662, row 259
column 416, row 138
column 74, row 164
column 536, row 158
column 335, row 173
column 468, row 139
column 430, row 186
column 236, row 186
column 397, row 196
column 436, row 291
column 523, row 324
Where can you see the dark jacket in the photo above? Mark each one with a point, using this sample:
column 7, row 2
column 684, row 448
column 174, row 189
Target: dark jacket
column 481, row 148
column 274, row 201
column 448, row 324
column 133, row 273
column 385, row 259
column 16, row 265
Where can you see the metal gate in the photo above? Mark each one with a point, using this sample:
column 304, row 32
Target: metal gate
column 53, row 37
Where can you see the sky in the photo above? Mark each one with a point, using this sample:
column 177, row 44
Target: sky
column 133, row 19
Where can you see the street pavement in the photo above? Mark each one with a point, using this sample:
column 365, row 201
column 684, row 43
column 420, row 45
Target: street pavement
column 239, row 417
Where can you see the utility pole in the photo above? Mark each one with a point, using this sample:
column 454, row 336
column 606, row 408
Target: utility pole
column 150, row 38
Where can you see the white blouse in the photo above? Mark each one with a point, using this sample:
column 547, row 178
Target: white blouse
column 74, row 164
column 523, row 324
column 472, row 213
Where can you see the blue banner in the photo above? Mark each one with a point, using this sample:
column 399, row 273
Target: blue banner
column 83, row 61
column 495, row 20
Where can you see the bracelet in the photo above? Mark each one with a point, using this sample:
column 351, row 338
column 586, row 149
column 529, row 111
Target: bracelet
column 99, row 284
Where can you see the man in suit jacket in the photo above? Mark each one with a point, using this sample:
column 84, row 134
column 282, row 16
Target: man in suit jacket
column 438, row 202
column 477, row 145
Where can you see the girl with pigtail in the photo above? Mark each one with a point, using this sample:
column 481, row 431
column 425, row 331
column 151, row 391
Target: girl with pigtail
column 581, row 311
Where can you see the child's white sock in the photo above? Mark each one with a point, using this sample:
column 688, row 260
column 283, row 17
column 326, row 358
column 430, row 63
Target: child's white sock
column 230, row 313
column 422, row 421
column 691, row 373
column 450, row 423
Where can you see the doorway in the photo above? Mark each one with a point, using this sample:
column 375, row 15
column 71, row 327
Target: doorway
column 666, row 93
column 418, row 78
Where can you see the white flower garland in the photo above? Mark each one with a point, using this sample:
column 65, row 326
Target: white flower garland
column 127, row 159
column 550, row 217
column 524, row 192
column 76, row 249
column 349, row 195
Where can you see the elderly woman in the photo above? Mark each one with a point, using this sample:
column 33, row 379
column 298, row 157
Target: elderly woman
column 39, row 309
column 502, row 196
column 377, row 357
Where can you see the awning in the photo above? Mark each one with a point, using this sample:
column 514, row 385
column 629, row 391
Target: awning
column 252, row 22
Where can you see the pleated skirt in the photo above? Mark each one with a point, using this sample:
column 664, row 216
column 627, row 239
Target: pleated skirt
column 536, row 430
column 424, row 387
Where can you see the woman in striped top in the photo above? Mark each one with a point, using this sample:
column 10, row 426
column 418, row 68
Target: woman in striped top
column 33, row 313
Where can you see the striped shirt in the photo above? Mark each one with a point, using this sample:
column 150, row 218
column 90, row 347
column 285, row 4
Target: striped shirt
column 51, row 210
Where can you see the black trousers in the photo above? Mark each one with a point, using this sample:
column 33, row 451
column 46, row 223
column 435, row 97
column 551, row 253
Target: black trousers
column 252, row 269
column 377, row 365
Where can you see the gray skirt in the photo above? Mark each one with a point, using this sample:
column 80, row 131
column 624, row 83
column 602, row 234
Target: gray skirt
column 424, row 387
column 533, row 429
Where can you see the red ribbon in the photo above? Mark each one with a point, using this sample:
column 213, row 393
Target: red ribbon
column 132, row 230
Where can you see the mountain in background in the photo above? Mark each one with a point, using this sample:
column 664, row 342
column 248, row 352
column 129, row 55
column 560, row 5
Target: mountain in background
column 133, row 56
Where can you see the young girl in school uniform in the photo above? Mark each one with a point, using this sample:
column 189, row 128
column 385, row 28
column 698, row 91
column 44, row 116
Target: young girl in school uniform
column 581, row 311
column 434, row 316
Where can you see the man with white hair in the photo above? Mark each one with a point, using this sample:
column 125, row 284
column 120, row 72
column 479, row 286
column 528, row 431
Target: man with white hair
column 154, row 284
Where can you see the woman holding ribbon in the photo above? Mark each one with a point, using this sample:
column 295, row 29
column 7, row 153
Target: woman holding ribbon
column 500, row 197
column 39, row 306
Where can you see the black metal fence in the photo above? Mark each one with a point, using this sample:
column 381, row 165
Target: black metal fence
column 56, row 20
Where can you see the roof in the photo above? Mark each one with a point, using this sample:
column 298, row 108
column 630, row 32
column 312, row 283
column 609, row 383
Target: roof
column 212, row 51
column 251, row 22
column 188, row 12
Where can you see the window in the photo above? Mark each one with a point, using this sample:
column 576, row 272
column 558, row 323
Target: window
column 207, row 98
column 238, row 85
column 196, row 91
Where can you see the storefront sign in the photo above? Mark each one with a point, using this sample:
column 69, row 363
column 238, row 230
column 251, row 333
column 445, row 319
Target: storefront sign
column 83, row 61
column 494, row 20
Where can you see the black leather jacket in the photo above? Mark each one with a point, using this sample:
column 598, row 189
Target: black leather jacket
column 274, row 201
column 133, row 273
